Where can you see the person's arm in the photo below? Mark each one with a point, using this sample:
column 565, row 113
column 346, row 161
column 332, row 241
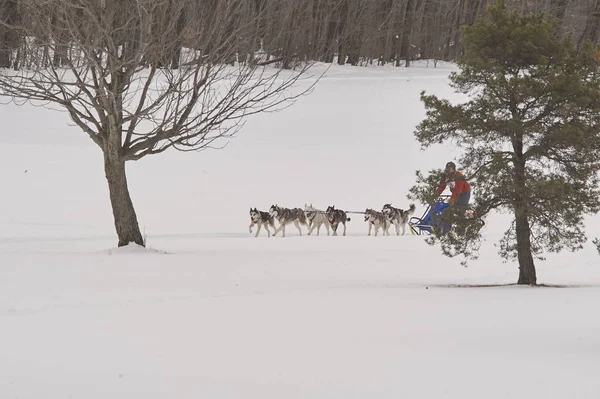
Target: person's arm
column 441, row 187
column 459, row 187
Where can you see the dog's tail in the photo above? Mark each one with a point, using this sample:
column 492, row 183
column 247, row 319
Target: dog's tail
column 411, row 209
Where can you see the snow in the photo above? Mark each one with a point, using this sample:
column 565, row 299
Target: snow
column 210, row 311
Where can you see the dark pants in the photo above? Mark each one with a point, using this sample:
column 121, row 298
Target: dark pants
column 462, row 201
column 460, row 205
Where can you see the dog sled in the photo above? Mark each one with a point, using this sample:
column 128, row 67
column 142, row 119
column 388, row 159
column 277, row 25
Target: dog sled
column 425, row 225
column 429, row 223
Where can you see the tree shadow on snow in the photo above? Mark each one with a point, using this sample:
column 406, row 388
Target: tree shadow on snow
column 514, row 285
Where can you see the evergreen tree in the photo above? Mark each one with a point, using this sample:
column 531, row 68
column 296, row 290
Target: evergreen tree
column 530, row 132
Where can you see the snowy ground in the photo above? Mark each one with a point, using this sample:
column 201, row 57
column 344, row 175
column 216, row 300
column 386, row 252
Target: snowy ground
column 213, row 312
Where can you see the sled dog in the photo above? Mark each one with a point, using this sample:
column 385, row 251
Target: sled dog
column 377, row 220
column 286, row 216
column 315, row 218
column 336, row 216
column 398, row 217
column 261, row 219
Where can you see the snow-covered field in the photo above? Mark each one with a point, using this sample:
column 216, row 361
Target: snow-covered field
column 212, row 312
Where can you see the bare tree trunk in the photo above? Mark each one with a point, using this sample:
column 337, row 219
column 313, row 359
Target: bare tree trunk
column 342, row 33
column 60, row 50
column 329, row 49
column 126, row 224
column 592, row 26
column 9, row 38
column 353, row 51
column 407, row 25
column 559, row 8
column 341, row 54
column 456, row 50
column 472, row 7
column 4, row 58
column 176, row 57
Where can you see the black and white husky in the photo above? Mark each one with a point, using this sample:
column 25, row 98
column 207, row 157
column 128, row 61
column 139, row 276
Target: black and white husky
column 398, row 217
column 336, row 216
column 316, row 218
column 377, row 220
column 261, row 218
column 286, row 216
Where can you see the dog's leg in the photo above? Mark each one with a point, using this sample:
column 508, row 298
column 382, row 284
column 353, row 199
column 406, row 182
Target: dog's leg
column 403, row 228
column 268, row 231
column 334, row 228
column 272, row 224
column 397, row 228
column 278, row 229
column 318, row 228
column 250, row 227
column 344, row 223
column 297, row 224
column 258, row 230
column 370, row 225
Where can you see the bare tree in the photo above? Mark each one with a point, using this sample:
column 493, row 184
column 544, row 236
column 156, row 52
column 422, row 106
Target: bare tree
column 119, row 84
column 359, row 31
column 592, row 25
column 407, row 27
column 9, row 37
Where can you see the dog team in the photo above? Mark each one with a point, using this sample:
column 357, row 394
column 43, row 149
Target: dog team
column 314, row 218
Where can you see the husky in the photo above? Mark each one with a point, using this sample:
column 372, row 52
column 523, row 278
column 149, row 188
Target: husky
column 286, row 216
column 377, row 220
column 315, row 218
column 261, row 218
column 336, row 216
column 398, row 217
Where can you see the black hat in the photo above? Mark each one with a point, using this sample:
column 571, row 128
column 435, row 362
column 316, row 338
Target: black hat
column 450, row 165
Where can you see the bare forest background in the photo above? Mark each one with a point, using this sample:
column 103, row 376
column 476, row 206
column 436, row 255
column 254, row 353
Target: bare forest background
column 286, row 32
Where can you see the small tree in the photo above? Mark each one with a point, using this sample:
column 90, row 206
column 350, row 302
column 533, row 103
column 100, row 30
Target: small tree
column 531, row 135
column 126, row 82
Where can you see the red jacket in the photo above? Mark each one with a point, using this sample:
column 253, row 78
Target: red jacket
column 458, row 185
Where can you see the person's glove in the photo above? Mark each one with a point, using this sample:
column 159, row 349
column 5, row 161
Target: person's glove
column 451, row 201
